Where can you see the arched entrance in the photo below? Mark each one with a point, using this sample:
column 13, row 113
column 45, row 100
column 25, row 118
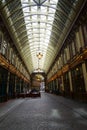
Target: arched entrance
column 38, row 81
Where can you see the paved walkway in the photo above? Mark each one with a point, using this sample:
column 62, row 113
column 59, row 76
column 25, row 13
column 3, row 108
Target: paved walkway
column 49, row 112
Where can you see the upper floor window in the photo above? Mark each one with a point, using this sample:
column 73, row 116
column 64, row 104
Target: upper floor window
column 3, row 44
column 4, row 48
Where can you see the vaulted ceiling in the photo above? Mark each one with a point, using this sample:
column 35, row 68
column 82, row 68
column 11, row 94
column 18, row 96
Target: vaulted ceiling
column 39, row 26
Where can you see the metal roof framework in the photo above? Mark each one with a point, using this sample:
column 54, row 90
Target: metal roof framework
column 39, row 26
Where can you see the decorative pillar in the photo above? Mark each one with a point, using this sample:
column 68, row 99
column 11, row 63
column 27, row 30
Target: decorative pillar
column 78, row 41
column 52, row 85
column 67, row 53
column 81, row 37
column 15, row 94
column 7, row 89
column 45, row 81
column 19, row 85
column 85, row 75
column 62, row 85
column 70, row 81
column 57, row 83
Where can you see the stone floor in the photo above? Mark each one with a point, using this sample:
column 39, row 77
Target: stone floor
column 50, row 112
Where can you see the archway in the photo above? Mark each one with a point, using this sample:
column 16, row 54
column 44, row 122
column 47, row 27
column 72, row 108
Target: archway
column 38, row 81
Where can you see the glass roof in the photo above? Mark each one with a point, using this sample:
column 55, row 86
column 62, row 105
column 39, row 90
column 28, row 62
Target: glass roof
column 40, row 19
column 39, row 26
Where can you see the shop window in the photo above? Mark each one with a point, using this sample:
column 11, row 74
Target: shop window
column 78, row 79
column 66, row 83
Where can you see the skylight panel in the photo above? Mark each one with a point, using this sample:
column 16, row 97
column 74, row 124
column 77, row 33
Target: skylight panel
column 30, row 40
column 34, row 24
column 46, row 40
column 36, row 38
column 41, row 31
column 50, row 22
column 31, row 0
column 51, row 10
column 50, row 18
column 41, row 39
column 24, row 1
column 24, row 5
column 34, row 17
column 26, row 9
column 43, row 17
column 35, row 35
column 48, row 32
column 26, row 14
column 51, row 14
column 54, row 1
column 30, row 36
column 34, row 43
column 48, row 25
column 35, row 32
column 33, row 8
column 35, row 29
column 43, row 9
column 28, row 28
column 42, row 24
column 27, row 18
column 53, row 5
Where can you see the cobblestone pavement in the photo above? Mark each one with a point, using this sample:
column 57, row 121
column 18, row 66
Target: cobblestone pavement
column 50, row 112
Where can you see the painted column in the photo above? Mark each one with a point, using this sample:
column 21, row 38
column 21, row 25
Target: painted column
column 67, row 53
column 15, row 85
column 20, row 85
column 85, row 75
column 62, row 84
column 70, row 81
column 7, row 89
column 52, row 85
column 78, row 41
column 57, row 83
column 81, row 37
